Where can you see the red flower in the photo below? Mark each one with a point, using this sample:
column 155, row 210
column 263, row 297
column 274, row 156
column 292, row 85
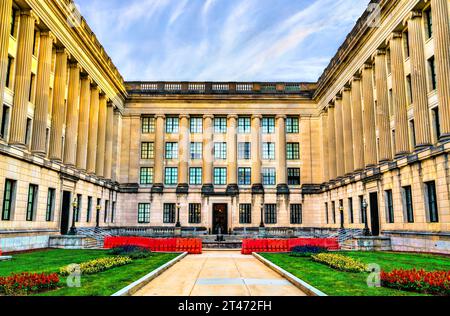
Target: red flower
column 436, row 282
column 25, row 283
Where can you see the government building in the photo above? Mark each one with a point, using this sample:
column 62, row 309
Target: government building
column 366, row 146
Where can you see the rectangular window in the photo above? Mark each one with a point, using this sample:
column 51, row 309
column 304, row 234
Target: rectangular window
column 389, row 206
column 220, row 176
column 172, row 125
column 293, row 176
column 31, row 92
column 293, row 151
column 296, row 214
column 5, row 122
column 406, row 43
column 195, row 176
column 144, row 213
column 148, row 125
column 432, row 207
column 196, row 125
column 220, row 125
column 9, row 72
column 113, row 211
column 270, row 213
column 269, row 176
column 268, row 125
column 412, row 134
column 436, row 123
column 244, row 125
column 220, row 151
column 169, row 213
column 105, row 219
column 28, row 131
column 147, row 150
column 171, row 150
column 408, row 204
column 389, row 61
column 409, row 89
column 327, row 218
column 268, row 151
column 333, row 210
column 244, row 176
column 171, row 176
column 350, row 210
column 432, row 73
column 361, row 210
column 89, row 209
column 244, row 151
column 146, row 176
column 31, row 203
column 196, row 151
column 79, row 207
column 35, row 42
column 50, row 208
column 13, row 22
column 8, row 199
column 292, row 125
column 195, row 213
column 428, row 23
column 245, row 213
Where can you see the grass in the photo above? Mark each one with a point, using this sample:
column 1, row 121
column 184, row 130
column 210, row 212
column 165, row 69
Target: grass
column 336, row 283
column 101, row 284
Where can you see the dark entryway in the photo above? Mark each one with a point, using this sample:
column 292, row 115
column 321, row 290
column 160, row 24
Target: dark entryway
column 220, row 218
column 65, row 212
column 374, row 214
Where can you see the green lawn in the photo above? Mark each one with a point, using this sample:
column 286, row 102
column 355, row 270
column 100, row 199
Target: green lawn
column 100, row 284
column 336, row 283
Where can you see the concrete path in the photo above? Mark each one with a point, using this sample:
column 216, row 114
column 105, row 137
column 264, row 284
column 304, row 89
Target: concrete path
column 220, row 273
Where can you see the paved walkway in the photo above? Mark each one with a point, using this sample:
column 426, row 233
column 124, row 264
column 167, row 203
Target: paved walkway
column 219, row 273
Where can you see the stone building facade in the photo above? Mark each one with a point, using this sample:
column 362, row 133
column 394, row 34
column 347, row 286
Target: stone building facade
column 369, row 142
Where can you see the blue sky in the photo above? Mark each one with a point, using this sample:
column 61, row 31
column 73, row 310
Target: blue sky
column 221, row 40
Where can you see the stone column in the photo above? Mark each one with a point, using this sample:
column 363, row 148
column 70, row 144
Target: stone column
column 73, row 108
column 339, row 126
column 399, row 95
column 419, row 81
column 22, row 79
column 93, row 130
column 441, row 34
column 38, row 144
column 183, row 148
column 101, row 137
column 58, row 109
column 109, row 141
column 208, row 159
column 5, row 22
column 158, row 185
column 370, row 138
column 117, row 145
column 233, row 187
column 324, row 129
column 357, row 126
column 83, row 122
column 257, row 187
column 282, row 187
column 348, row 132
column 331, row 143
column 383, row 116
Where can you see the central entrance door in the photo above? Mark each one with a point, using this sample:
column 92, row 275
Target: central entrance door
column 65, row 212
column 220, row 219
column 374, row 214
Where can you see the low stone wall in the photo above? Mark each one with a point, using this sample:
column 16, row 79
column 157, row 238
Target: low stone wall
column 12, row 244
column 420, row 242
column 68, row 242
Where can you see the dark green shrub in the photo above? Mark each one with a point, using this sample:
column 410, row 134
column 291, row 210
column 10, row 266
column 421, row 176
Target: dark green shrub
column 133, row 252
column 306, row 251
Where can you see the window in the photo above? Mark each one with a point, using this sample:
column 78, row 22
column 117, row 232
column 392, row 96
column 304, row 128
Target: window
column 148, row 125
column 9, row 72
column 105, row 219
column 292, row 126
column 268, row 125
column 428, row 23
column 432, row 73
column 244, row 151
column 196, row 151
column 89, row 209
column 220, row 125
column 144, row 213
column 244, row 125
column 35, row 42
column 361, row 210
column 269, row 175
column 436, row 123
column 196, row 125
column 5, row 122
column 172, row 125
column 389, row 206
column 79, row 207
column 432, row 206
column 293, row 176
column 270, row 213
column 147, row 150
column 293, row 151
column 245, row 213
column 31, row 203
column 146, row 176
column 220, row 151
column 412, row 134
column 171, row 150
column 333, row 210
column 350, row 210
column 195, row 176
column 195, row 213
column 326, row 213
column 8, row 199
column 113, row 211
column 406, row 43
column 220, row 176
column 31, row 94
column 268, row 151
column 28, row 131
column 408, row 204
column 409, row 89
column 169, row 213
column 391, row 103
column 389, row 61
column 50, row 208
column 244, row 176
column 171, row 176
column 296, row 214
column 13, row 22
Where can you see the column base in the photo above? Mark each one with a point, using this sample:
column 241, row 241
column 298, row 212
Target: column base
column 157, row 188
column 232, row 189
column 445, row 138
column 207, row 189
column 401, row 155
column 257, row 188
column 182, row 188
column 283, row 189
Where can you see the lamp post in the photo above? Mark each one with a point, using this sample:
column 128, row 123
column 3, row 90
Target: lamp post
column 261, row 225
column 73, row 229
column 341, row 212
column 178, row 224
column 366, row 231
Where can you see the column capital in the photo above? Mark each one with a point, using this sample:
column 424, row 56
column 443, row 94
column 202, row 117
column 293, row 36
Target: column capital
column 63, row 50
column 394, row 36
column 257, row 116
column 367, row 66
column 280, row 116
column 50, row 34
column 208, row 116
column 87, row 77
column 356, row 77
column 75, row 64
column 160, row 116
column 233, row 116
column 31, row 14
column 186, row 116
column 380, row 51
column 411, row 16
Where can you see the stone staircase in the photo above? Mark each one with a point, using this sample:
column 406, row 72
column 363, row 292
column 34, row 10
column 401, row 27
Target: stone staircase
column 95, row 237
column 228, row 242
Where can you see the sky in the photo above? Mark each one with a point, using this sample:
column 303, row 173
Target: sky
column 221, row 40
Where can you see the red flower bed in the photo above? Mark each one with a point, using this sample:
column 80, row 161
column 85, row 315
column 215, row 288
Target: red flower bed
column 436, row 282
column 25, row 283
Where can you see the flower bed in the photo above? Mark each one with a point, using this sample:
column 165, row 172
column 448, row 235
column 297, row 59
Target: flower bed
column 436, row 282
column 97, row 265
column 27, row 283
column 340, row 262
column 306, row 251
column 134, row 252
